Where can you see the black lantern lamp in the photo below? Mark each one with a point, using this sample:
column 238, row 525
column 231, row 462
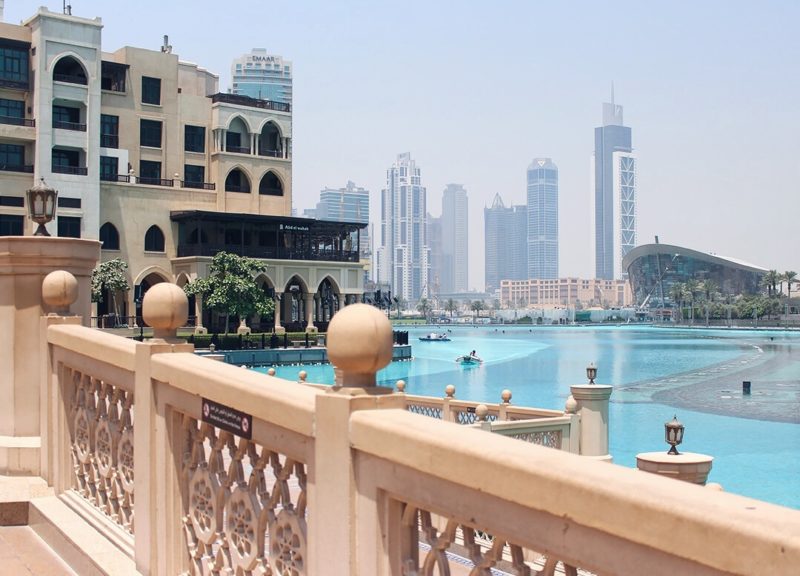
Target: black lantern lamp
column 591, row 372
column 42, row 204
column 673, row 433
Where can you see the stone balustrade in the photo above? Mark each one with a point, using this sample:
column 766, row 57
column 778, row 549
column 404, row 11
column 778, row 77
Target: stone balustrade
column 231, row 471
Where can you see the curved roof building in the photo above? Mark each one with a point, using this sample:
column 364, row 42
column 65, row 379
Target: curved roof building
column 654, row 268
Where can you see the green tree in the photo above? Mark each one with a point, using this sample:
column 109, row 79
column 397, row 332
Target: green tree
column 451, row 306
column 231, row 288
column 424, row 308
column 477, row 306
column 399, row 304
column 770, row 282
column 691, row 287
column 111, row 276
column 677, row 293
column 789, row 276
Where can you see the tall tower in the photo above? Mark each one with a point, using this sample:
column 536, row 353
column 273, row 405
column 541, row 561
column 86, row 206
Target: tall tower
column 542, row 219
column 506, row 242
column 614, row 175
column 348, row 204
column 263, row 76
column 454, row 277
column 404, row 256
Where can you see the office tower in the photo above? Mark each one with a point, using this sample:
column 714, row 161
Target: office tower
column 542, row 219
column 403, row 258
column 506, row 238
column 263, row 76
column 438, row 260
column 348, row 204
column 614, row 174
column 455, row 264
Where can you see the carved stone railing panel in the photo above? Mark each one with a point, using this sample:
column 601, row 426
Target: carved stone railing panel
column 244, row 505
column 445, row 543
column 548, row 438
column 100, row 423
column 425, row 410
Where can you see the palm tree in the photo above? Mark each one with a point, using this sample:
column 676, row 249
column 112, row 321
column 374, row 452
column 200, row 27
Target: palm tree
column 677, row 292
column 710, row 287
column 789, row 276
column 691, row 289
column 771, row 280
column 424, row 308
column 477, row 306
column 451, row 306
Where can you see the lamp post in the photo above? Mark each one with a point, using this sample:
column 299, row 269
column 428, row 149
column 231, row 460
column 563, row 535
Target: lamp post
column 42, row 204
column 673, row 434
column 591, row 372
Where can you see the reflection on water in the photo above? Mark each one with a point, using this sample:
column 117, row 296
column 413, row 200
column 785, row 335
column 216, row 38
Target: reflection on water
column 538, row 365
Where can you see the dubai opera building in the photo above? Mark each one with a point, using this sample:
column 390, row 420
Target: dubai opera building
column 654, row 268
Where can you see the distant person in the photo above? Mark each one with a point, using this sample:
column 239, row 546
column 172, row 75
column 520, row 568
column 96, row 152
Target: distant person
column 472, row 353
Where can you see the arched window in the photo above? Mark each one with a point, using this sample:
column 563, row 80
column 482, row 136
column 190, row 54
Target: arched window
column 154, row 240
column 270, row 185
column 269, row 141
column 237, row 182
column 109, row 236
column 68, row 69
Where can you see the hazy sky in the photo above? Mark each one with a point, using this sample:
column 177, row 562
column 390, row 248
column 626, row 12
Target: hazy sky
column 475, row 91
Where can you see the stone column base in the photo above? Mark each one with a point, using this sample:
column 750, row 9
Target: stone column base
column 200, row 330
column 280, row 330
column 686, row 466
column 311, row 329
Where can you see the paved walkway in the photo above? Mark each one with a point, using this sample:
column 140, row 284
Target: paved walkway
column 23, row 553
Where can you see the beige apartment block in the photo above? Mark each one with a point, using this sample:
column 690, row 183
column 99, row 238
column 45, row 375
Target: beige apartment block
column 133, row 138
column 568, row 292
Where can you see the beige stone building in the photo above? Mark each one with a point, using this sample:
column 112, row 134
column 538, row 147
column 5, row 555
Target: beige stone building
column 569, row 292
column 152, row 159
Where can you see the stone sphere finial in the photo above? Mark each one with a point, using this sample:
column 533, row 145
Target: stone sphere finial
column 506, row 396
column 401, row 386
column 482, row 412
column 450, row 390
column 571, row 406
column 59, row 291
column 302, row 375
column 359, row 344
column 165, row 307
column 271, row 372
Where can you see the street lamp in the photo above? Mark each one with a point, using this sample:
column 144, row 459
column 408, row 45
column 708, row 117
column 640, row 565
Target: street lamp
column 591, row 372
column 673, row 433
column 42, row 203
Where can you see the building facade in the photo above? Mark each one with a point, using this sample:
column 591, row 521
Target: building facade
column 564, row 292
column 348, row 204
column 263, row 76
column 149, row 158
column 403, row 259
column 542, row 219
column 438, row 260
column 454, row 273
column 506, row 243
column 614, row 194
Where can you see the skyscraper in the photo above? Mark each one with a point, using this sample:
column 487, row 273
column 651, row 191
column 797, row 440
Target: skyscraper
column 614, row 173
column 454, row 273
column 348, row 204
column 263, row 76
column 404, row 256
column 542, row 219
column 506, row 237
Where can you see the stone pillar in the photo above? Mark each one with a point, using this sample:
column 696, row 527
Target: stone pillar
column 198, row 315
column 359, row 344
column 592, row 408
column 277, row 313
column 685, row 466
column 309, row 300
column 24, row 263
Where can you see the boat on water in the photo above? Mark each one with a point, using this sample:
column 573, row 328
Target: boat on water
column 469, row 360
column 435, row 337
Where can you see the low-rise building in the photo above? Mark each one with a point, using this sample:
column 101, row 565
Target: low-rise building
column 567, row 292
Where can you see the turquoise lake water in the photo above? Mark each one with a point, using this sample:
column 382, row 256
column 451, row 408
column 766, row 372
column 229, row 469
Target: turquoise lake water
column 756, row 458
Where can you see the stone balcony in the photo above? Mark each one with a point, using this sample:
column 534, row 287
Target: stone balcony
column 144, row 458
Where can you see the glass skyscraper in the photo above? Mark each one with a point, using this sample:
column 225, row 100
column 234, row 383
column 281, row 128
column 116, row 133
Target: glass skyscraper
column 506, row 243
column 403, row 257
column 263, row 76
column 348, row 204
column 614, row 171
column 454, row 273
column 542, row 219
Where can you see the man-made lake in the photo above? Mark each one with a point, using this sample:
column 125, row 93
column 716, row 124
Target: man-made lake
column 657, row 373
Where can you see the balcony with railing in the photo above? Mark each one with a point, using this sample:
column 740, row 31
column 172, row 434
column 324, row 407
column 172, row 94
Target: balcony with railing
column 63, row 125
column 17, row 121
column 109, row 140
column 198, row 185
column 70, row 79
column 64, row 169
column 155, row 181
column 240, row 100
column 158, row 461
column 28, row 169
column 115, row 177
column 237, row 149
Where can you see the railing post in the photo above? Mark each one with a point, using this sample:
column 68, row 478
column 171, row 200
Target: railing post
column 158, row 548
column 359, row 344
column 592, row 408
column 449, row 394
column 24, row 263
column 505, row 396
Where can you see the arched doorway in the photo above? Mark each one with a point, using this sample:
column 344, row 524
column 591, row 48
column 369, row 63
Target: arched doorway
column 327, row 303
column 294, row 305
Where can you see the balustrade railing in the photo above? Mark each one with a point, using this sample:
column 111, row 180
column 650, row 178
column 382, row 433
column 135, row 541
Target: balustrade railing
column 231, row 471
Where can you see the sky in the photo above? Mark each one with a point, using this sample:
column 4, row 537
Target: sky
column 476, row 91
